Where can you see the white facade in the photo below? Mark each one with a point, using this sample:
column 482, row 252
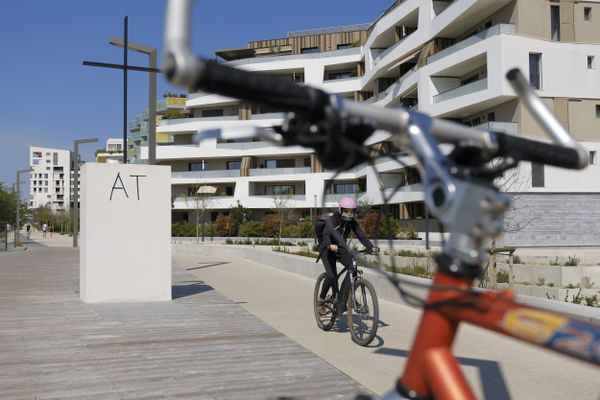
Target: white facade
column 113, row 153
column 485, row 42
column 50, row 178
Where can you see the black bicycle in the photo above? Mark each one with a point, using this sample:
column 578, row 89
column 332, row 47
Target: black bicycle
column 356, row 297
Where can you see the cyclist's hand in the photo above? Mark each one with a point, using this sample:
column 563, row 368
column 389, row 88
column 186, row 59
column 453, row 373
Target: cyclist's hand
column 333, row 248
column 375, row 250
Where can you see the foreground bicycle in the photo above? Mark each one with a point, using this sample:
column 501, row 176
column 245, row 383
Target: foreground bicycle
column 458, row 189
column 357, row 297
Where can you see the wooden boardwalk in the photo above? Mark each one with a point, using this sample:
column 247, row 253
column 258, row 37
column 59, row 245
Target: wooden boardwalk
column 198, row 346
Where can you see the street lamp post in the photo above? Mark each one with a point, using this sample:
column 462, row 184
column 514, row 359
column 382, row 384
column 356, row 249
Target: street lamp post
column 18, row 223
column 151, row 52
column 75, row 195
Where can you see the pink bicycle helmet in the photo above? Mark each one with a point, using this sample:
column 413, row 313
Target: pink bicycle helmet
column 347, row 203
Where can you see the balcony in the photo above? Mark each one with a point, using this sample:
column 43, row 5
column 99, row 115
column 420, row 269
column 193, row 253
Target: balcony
column 510, row 128
column 279, row 171
column 165, row 122
column 225, row 173
column 499, row 29
column 470, row 88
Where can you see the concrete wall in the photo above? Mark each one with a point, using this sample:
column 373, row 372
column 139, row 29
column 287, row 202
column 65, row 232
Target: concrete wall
column 125, row 233
column 556, row 220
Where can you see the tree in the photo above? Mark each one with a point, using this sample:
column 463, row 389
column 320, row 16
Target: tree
column 8, row 207
column 281, row 199
column 199, row 203
column 240, row 215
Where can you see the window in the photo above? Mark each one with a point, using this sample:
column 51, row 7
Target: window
column 587, row 13
column 212, row 113
column 491, row 117
column 598, row 111
column 345, row 188
column 535, row 75
column 198, row 166
column 280, row 163
column 236, row 165
column 591, row 64
column 36, row 161
column 279, row 189
column 593, row 157
column 308, row 50
column 55, row 158
column 344, row 46
column 555, row 23
column 306, row 161
column 537, row 175
column 340, row 75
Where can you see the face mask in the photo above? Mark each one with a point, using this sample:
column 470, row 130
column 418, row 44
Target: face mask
column 347, row 218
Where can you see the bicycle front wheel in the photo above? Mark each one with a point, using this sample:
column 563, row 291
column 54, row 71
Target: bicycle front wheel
column 363, row 312
column 325, row 320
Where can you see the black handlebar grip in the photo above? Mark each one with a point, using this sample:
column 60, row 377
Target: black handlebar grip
column 538, row 152
column 260, row 88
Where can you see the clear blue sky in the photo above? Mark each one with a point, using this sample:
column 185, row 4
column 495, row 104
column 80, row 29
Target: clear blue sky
column 48, row 98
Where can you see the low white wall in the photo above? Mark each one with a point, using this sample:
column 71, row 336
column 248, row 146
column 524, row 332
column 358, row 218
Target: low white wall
column 384, row 288
column 125, row 252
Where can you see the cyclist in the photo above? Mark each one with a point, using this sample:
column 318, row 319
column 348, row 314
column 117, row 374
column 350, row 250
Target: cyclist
column 333, row 246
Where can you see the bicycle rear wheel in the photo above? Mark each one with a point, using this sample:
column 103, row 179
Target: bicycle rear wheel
column 363, row 315
column 327, row 320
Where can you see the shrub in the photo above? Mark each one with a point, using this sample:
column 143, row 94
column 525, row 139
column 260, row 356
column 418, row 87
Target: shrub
column 306, row 229
column 252, row 229
column 183, row 229
column 381, row 226
column 572, row 261
column 271, row 225
column 502, row 276
column 517, row 259
column 290, row 230
column 225, row 225
column 407, row 233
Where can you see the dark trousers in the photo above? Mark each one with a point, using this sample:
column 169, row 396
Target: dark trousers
column 329, row 262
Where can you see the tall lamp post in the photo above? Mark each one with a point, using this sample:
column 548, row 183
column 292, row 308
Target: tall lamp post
column 151, row 53
column 75, row 195
column 18, row 223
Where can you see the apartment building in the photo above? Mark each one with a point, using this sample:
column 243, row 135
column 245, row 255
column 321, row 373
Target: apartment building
column 445, row 58
column 112, row 152
column 50, row 178
column 171, row 107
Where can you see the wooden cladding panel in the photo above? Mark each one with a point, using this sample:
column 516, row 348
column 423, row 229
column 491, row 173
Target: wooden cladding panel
column 326, row 42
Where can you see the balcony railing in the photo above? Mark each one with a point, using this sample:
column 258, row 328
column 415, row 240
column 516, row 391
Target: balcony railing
column 279, row 171
column 174, row 121
column 492, row 31
column 244, row 145
column 275, row 115
column 297, row 197
column 472, row 87
column 511, row 128
column 225, row 173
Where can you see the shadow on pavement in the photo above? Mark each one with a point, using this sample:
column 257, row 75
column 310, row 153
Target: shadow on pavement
column 208, row 265
column 178, row 291
column 492, row 381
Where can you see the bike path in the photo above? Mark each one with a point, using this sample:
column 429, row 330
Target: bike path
column 201, row 345
column 496, row 366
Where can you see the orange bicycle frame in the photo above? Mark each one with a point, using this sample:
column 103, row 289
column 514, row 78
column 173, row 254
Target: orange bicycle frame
column 433, row 371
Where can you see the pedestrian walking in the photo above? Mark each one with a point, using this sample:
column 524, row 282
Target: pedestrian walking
column 44, row 229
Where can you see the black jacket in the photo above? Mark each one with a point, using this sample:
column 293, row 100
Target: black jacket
column 337, row 230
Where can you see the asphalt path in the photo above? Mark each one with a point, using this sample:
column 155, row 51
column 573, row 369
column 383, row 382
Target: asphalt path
column 496, row 367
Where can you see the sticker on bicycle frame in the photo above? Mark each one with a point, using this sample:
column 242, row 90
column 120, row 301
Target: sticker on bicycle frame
column 532, row 325
column 579, row 340
column 553, row 331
